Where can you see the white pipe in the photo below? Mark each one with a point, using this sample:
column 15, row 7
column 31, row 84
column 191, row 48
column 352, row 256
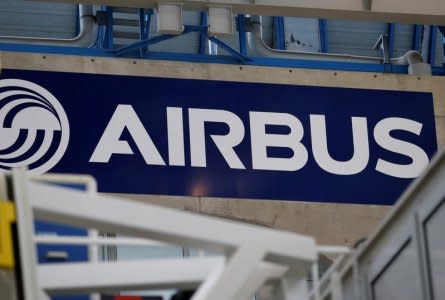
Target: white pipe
column 316, row 282
column 415, row 61
column 87, row 180
column 91, row 188
column 79, row 241
column 410, row 57
column 85, row 38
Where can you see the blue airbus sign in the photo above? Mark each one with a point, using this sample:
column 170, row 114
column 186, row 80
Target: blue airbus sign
column 218, row 139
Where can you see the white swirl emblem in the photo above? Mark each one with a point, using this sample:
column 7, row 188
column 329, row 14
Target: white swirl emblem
column 34, row 128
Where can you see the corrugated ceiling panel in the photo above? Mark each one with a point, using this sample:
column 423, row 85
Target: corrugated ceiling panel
column 37, row 19
column 302, row 34
column 352, row 37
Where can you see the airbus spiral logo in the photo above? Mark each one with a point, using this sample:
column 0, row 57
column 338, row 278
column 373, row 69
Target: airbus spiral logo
column 34, row 128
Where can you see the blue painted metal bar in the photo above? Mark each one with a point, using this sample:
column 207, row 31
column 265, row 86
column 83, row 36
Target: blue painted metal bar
column 220, row 59
column 144, row 43
column 417, row 37
column 147, row 26
column 202, row 35
column 109, row 32
column 144, row 27
column 98, row 40
column 148, row 16
column 194, row 28
column 157, row 39
column 323, row 28
column 142, row 30
column 78, row 20
column 141, row 23
column 279, row 35
column 433, row 45
column 229, row 49
column 391, row 39
column 241, row 21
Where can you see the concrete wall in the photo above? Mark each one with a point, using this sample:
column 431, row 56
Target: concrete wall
column 329, row 223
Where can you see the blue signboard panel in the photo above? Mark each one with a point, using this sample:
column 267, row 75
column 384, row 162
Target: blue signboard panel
column 218, row 139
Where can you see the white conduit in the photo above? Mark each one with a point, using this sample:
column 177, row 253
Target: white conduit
column 74, row 241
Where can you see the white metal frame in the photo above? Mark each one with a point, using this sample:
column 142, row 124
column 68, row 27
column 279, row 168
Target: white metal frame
column 250, row 255
column 90, row 185
column 355, row 273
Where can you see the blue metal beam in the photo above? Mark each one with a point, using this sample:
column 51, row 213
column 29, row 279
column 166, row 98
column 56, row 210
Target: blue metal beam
column 109, row 32
column 229, row 49
column 241, row 21
column 144, row 23
column 273, row 62
column 157, row 39
column 417, row 37
column 144, row 28
column 279, row 34
column 323, row 28
column 78, row 20
column 202, row 35
column 144, row 43
column 391, row 39
column 433, row 45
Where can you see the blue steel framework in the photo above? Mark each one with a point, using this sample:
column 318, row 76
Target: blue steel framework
column 279, row 36
column 417, row 37
column 202, row 35
column 433, row 44
column 104, row 47
column 323, row 28
column 144, row 28
column 241, row 22
column 391, row 39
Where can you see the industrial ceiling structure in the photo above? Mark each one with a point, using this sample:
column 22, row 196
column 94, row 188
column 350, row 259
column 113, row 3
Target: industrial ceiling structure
column 338, row 35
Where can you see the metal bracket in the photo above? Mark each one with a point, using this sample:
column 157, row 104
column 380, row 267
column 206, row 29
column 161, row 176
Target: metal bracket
column 383, row 44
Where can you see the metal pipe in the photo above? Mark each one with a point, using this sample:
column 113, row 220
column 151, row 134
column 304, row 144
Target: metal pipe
column 410, row 57
column 85, row 38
